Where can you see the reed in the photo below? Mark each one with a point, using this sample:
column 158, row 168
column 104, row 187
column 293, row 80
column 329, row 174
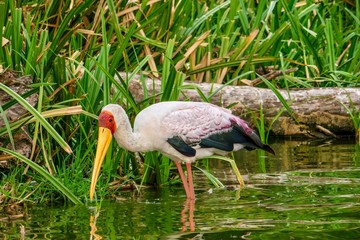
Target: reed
column 74, row 49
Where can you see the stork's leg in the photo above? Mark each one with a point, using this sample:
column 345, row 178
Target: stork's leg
column 190, row 181
column 183, row 179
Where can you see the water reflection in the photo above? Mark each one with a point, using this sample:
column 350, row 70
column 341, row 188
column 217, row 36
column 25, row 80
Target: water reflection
column 309, row 189
column 187, row 216
column 93, row 228
column 301, row 154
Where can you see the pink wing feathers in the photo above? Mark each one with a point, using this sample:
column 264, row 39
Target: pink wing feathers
column 197, row 122
column 208, row 126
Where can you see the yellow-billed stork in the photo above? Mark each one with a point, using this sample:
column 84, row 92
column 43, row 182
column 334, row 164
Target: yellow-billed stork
column 183, row 131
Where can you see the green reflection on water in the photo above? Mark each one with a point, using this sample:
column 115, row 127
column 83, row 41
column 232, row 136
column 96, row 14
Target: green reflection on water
column 310, row 190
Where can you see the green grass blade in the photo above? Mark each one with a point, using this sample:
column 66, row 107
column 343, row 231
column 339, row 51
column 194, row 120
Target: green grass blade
column 167, row 82
column 197, row 88
column 54, row 181
column 227, row 84
column 7, row 126
column 37, row 115
column 254, row 60
column 214, row 180
column 297, row 27
column 272, row 122
column 233, row 166
column 3, row 15
column 203, row 18
column 124, row 91
column 279, row 96
column 330, row 45
column 63, row 32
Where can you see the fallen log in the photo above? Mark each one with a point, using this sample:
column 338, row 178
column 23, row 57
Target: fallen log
column 317, row 112
column 20, row 136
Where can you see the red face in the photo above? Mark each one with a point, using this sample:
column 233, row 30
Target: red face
column 106, row 120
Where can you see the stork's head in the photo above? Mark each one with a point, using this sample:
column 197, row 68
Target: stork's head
column 108, row 119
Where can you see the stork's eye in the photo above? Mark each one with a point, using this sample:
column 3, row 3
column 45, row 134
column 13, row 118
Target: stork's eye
column 106, row 120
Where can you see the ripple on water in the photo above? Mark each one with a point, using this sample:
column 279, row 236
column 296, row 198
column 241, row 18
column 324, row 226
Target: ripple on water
column 309, row 190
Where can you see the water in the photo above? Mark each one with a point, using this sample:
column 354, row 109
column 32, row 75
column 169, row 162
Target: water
column 309, row 190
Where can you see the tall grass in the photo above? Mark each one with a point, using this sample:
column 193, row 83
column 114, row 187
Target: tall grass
column 74, row 49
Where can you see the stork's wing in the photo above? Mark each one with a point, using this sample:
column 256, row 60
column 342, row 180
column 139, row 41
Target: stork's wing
column 208, row 126
column 190, row 127
column 194, row 123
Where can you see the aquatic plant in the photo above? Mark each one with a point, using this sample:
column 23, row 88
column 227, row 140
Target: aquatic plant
column 354, row 113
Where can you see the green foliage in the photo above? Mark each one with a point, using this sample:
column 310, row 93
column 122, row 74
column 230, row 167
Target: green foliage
column 54, row 181
column 354, row 113
column 74, row 50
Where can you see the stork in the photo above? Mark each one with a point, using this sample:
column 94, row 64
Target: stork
column 182, row 131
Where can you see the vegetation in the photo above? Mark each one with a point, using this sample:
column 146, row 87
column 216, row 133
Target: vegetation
column 75, row 49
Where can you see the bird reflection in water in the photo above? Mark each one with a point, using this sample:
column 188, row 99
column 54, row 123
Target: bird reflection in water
column 93, row 228
column 188, row 219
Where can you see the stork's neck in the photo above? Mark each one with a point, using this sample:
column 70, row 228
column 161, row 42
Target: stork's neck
column 128, row 139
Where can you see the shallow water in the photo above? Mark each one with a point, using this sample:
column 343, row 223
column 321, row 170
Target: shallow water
column 310, row 189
